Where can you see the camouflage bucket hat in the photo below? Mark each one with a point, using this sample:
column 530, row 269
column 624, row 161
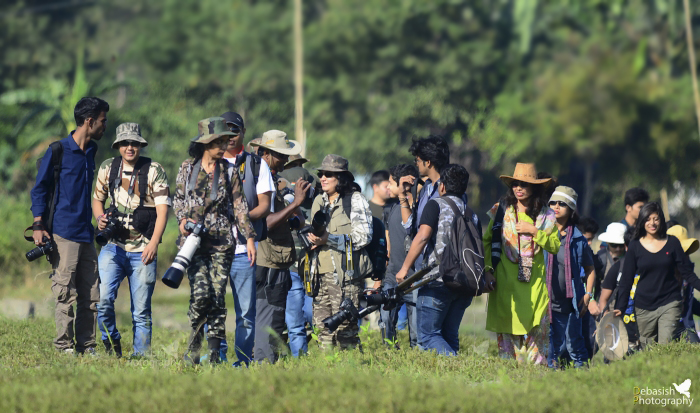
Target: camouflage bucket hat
column 335, row 163
column 129, row 132
column 211, row 129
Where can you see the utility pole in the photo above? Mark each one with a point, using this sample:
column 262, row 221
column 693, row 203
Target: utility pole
column 693, row 62
column 299, row 78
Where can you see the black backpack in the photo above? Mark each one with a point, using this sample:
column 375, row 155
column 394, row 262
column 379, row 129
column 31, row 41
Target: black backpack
column 56, row 162
column 377, row 247
column 462, row 262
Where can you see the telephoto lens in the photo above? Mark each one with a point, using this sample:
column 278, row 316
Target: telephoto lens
column 173, row 277
column 40, row 251
column 347, row 311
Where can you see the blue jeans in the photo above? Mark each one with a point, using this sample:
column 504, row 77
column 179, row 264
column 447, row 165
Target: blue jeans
column 402, row 324
column 440, row 313
column 115, row 264
column 566, row 329
column 243, row 286
column 297, row 314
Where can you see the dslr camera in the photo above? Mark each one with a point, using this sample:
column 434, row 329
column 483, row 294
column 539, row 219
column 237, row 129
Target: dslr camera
column 41, row 250
column 113, row 228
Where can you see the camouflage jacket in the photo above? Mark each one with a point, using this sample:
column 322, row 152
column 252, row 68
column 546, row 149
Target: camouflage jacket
column 230, row 205
column 440, row 239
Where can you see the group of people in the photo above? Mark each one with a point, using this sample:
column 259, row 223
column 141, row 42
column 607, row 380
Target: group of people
column 544, row 283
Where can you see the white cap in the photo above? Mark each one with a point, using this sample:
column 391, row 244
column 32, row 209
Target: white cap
column 614, row 234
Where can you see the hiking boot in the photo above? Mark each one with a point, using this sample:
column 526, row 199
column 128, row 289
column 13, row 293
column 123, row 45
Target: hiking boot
column 192, row 354
column 89, row 352
column 117, row 348
column 214, row 348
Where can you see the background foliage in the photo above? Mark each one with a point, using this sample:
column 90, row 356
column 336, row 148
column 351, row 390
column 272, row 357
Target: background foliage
column 596, row 92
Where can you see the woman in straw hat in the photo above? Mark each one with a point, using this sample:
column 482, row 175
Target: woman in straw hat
column 208, row 192
column 349, row 230
column 656, row 257
column 521, row 227
column 568, row 296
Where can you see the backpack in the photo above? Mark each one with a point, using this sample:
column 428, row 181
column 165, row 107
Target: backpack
column 377, row 248
column 462, row 261
column 255, row 161
column 57, row 162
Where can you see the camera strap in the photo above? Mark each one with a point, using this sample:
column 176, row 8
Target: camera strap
column 349, row 266
column 192, row 183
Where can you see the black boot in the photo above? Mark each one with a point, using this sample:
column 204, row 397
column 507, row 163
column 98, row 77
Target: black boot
column 117, row 348
column 214, row 348
column 192, row 355
column 113, row 345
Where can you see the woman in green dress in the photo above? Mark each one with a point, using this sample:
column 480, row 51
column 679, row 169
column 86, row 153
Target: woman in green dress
column 522, row 227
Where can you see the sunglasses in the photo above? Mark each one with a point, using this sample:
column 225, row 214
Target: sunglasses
column 327, row 174
column 235, row 129
column 616, row 246
column 560, row 203
column 521, row 184
column 133, row 144
column 222, row 143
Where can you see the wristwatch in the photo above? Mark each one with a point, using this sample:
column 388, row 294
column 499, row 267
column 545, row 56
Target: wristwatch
column 488, row 268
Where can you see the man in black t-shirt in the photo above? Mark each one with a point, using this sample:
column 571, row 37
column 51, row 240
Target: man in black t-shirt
column 397, row 238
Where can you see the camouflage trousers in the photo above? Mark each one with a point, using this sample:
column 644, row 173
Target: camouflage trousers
column 208, row 275
column 327, row 303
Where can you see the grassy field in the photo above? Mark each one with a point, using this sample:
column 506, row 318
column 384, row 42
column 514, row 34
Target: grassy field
column 35, row 378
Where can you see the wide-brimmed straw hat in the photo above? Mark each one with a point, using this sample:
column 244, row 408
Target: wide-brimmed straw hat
column 335, row 163
column 614, row 234
column 611, row 336
column 211, row 129
column 276, row 141
column 525, row 172
column 690, row 245
column 129, row 132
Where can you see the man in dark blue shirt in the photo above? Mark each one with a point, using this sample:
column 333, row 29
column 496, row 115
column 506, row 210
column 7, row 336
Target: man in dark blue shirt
column 74, row 258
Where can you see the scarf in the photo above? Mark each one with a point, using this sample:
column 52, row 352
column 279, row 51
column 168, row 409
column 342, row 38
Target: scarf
column 567, row 269
column 546, row 221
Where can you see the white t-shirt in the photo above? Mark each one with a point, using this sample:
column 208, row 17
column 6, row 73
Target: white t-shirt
column 265, row 184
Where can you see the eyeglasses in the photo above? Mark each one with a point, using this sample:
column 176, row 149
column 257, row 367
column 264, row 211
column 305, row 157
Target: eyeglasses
column 560, row 203
column 133, row 144
column 327, row 174
column 521, row 184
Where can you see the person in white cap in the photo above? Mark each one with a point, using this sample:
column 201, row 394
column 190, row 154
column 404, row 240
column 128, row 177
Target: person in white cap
column 613, row 239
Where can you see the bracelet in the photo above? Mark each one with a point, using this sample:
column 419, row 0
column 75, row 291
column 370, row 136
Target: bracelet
column 405, row 206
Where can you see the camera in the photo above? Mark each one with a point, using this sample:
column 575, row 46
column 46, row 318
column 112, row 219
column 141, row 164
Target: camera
column 389, row 298
column 107, row 234
column 317, row 227
column 41, row 250
column 173, row 277
column 347, row 311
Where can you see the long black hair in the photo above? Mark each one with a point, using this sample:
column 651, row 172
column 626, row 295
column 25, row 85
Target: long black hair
column 196, row 150
column 535, row 203
column 644, row 214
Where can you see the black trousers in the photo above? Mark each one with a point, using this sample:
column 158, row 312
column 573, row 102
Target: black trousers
column 271, row 288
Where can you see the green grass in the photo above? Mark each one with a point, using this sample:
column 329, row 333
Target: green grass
column 35, row 378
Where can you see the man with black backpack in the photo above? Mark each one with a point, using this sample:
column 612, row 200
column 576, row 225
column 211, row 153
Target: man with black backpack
column 139, row 196
column 459, row 275
column 258, row 187
column 63, row 217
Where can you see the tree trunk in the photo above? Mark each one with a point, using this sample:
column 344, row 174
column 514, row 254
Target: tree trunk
column 588, row 189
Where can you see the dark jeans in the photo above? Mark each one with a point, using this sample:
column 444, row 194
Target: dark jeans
column 440, row 313
column 566, row 329
column 272, row 286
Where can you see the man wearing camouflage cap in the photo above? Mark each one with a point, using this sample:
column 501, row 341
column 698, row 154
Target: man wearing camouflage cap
column 139, row 199
column 276, row 254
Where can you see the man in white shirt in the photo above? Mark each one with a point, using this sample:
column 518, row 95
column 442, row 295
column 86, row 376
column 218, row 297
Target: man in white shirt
column 259, row 189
